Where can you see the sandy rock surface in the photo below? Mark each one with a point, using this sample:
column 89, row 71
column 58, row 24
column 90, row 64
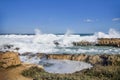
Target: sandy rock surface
column 8, row 59
column 11, row 66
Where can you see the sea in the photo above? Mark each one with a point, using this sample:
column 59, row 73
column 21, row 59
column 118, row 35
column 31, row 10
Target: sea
column 45, row 43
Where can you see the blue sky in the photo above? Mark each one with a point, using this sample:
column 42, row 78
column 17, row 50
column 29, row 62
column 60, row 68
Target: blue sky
column 56, row 16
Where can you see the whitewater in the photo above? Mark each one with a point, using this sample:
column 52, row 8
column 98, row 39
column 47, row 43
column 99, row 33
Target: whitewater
column 45, row 43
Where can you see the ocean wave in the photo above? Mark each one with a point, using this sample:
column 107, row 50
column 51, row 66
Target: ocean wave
column 45, row 43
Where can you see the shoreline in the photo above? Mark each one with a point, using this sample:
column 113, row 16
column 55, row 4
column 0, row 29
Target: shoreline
column 115, row 42
column 109, row 71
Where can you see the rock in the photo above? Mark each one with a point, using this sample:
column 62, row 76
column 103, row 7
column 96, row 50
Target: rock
column 8, row 59
column 7, row 46
column 114, row 59
column 95, row 59
column 79, row 57
column 83, row 43
column 15, row 73
column 59, row 56
column 109, row 42
column 56, row 43
column 100, row 42
column 41, row 55
column 103, row 59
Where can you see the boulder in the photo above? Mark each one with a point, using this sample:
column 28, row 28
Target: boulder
column 8, row 59
column 95, row 59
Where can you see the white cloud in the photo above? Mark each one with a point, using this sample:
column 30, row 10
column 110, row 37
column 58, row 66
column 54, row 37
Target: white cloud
column 88, row 20
column 116, row 19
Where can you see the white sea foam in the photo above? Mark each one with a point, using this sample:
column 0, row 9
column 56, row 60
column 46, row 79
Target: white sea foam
column 64, row 66
column 111, row 34
column 57, row 66
column 37, row 31
column 44, row 43
column 27, row 59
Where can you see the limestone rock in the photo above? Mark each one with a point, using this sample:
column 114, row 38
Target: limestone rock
column 80, row 57
column 83, row 43
column 109, row 42
column 8, row 59
column 59, row 56
column 102, row 59
column 95, row 59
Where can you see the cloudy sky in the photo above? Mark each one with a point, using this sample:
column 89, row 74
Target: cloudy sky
column 56, row 16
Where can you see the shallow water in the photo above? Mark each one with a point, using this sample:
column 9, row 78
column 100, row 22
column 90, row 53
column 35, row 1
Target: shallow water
column 64, row 66
column 57, row 66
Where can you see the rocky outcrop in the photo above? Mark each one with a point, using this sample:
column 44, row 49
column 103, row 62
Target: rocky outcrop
column 109, row 42
column 77, row 57
column 59, row 56
column 8, row 59
column 104, row 59
column 83, row 43
column 100, row 42
column 9, row 69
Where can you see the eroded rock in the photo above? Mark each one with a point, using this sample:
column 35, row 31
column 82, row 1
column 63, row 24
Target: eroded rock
column 83, row 43
column 103, row 59
column 8, row 59
column 109, row 42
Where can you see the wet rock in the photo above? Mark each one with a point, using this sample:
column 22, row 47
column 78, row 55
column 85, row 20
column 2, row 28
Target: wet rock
column 83, row 43
column 17, row 48
column 56, row 43
column 7, row 46
column 109, row 42
column 26, row 54
column 100, row 42
column 103, row 59
column 41, row 55
column 59, row 56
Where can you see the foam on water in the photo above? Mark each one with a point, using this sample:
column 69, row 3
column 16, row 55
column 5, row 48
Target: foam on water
column 57, row 66
column 44, row 43
column 64, row 66
column 27, row 59
column 111, row 34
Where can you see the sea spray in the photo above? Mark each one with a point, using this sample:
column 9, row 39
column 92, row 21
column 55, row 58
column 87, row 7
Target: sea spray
column 112, row 33
column 37, row 31
column 44, row 43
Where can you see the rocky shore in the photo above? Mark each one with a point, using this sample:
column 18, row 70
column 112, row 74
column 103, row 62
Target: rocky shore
column 102, row 59
column 11, row 66
column 100, row 42
column 105, row 67
column 8, row 59
column 109, row 42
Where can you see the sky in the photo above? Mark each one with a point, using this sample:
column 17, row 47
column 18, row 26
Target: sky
column 58, row 16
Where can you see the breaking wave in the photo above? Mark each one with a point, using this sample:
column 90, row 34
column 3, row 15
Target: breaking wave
column 45, row 43
column 51, row 43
